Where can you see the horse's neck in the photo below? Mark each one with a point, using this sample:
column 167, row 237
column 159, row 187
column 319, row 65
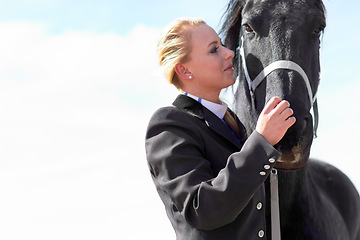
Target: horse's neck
column 295, row 193
column 291, row 184
column 291, row 204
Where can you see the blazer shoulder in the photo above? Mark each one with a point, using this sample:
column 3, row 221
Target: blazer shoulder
column 169, row 113
column 171, row 116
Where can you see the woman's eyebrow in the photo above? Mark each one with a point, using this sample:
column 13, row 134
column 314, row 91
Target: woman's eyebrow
column 214, row 42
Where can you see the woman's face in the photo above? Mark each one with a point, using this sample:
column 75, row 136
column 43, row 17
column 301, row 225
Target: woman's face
column 210, row 62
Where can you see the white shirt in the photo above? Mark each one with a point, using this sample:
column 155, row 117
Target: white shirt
column 218, row 109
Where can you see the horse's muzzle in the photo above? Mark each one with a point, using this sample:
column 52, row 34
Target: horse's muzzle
column 295, row 145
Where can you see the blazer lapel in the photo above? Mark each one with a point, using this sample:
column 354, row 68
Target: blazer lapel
column 196, row 109
column 220, row 128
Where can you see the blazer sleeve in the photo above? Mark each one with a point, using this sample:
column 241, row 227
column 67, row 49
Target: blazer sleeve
column 176, row 154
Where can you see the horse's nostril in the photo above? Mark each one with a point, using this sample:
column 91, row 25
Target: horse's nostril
column 295, row 135
column 300, row 126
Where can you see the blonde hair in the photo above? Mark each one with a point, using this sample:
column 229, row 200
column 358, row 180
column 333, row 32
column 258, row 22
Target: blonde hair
column 174, row 47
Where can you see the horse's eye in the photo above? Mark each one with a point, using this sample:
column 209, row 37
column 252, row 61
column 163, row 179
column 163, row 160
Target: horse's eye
column 319, row 30
column 248, row 29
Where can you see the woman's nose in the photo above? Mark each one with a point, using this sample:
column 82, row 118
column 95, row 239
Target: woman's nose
column 229, row 54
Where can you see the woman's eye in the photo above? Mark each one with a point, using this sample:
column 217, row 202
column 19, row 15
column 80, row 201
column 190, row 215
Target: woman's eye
column 214, row 49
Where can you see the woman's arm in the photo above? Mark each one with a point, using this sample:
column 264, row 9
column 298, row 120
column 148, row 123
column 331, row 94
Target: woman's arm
column 176, row 154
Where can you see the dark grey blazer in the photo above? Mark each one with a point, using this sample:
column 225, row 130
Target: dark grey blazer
column 210, row 188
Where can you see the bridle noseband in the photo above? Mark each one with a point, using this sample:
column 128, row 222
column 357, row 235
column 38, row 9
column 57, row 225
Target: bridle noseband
column 280, row 64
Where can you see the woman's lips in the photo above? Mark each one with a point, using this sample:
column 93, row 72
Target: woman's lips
column 229, row 68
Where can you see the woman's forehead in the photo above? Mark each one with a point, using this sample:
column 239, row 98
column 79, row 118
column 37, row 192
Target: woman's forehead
column 204, row 35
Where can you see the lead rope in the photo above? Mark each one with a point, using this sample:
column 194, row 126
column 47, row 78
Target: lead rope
column 275, row 211
column 316, row 117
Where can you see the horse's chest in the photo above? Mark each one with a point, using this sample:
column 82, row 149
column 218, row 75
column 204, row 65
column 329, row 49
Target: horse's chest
column 313, row 221
column 314, row 218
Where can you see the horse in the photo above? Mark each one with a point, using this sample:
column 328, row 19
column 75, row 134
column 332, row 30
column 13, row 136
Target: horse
column 276, row 45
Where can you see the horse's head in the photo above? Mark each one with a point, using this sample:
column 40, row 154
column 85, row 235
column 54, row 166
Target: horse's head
column 269, row 31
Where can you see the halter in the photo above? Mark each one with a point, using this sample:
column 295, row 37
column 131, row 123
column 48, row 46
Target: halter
column 280, row 64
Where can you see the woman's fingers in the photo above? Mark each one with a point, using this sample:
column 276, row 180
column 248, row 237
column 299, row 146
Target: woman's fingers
column 275, row 119
column 276, row 106
column 271, row 104
column 282, row 106
column 286, row 113
column 282, row 109
column 289, row 122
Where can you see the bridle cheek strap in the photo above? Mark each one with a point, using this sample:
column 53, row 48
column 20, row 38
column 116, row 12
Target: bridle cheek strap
column 280, row 64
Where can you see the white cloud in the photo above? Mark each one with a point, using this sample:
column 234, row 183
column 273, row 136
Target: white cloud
column 74, row 109
column 72, row 133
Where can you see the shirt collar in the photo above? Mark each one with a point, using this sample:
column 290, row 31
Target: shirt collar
column 218, row 109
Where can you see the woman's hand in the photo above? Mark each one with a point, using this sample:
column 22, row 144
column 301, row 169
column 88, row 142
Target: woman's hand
column 275, row 119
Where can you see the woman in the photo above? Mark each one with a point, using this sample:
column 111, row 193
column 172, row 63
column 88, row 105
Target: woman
column 209, row 178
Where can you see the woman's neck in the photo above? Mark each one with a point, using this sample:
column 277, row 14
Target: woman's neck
column 211, row 97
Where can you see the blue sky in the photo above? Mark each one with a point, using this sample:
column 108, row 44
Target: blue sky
column 105, row 16
column 121, row 17
column 78, row 83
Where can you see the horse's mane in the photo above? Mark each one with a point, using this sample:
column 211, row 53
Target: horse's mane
column 231, row 25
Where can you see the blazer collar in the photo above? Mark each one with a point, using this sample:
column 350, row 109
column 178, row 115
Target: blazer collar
column 196, row 109
column 189, row 105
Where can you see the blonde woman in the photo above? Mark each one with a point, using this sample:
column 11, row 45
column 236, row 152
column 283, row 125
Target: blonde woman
column 208, row 173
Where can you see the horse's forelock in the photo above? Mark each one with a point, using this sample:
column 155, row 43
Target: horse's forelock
column 318, row 3
column 231, row 26
column 232, row 18
column 230, row 29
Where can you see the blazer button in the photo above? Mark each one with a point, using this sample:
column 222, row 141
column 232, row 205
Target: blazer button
column 271, row 160
column 259, row 206
column 261, row 233
column 262, row 173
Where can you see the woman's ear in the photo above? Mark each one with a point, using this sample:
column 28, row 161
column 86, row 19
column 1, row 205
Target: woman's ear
column 182, row 71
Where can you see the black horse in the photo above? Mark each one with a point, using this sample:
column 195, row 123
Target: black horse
column 317, row 201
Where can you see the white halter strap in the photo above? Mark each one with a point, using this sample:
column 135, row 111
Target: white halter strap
column 281, row 64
